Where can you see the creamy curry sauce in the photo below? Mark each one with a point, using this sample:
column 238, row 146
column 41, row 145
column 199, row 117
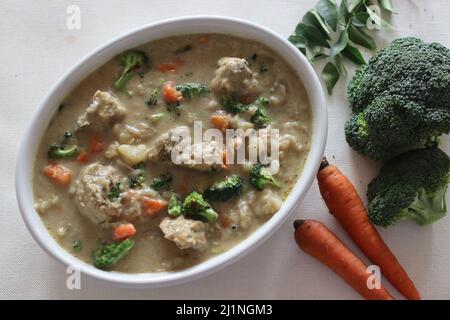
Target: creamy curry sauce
column 81, row 210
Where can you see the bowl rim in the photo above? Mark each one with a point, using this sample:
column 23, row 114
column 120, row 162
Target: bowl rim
column 39, row 122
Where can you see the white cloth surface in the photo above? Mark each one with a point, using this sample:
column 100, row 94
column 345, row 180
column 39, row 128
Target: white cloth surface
column 36, row 48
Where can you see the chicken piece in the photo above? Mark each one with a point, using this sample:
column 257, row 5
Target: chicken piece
column 185, row 233
column 90, row 193
column 205, row 156
column 104, row 110
column 234, row 79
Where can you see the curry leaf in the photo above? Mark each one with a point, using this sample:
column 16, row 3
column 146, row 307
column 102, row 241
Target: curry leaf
column 340, row 44
column 354, row 4
column 340, row 65
column 343, row 11
column 330, row 75
column 360, row 19
column 311, row 34
column 358, row 36
column 328, row 10
column 386, row 5
column 377, row 19
column 353, row 54
column 299, row 42
column 311, row 18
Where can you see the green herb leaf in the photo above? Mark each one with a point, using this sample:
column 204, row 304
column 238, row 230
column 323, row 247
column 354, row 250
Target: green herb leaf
column 330, row 75
column 354, row 4
column 360, row 19
column 343, row 10
column 386, row 5
column 377, row 19
column 328, row 10
column 313, row 19
column 340, row 65
column 340, row 44
column 358, row 36
column 353, row 54
column 311, row 34
column 299, row 42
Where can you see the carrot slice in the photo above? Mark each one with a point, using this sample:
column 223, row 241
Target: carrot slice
column 221, row 121
column 83, row 157
column 171, row 66
column 151, row 207
column 58, row 174
column 96, row 144
column 124, row 231
column 170, row 94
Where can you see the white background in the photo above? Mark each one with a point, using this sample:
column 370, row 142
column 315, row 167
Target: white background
column 36, row 48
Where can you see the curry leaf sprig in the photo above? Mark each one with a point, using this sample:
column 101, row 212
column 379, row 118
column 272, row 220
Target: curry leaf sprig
column 349, row 24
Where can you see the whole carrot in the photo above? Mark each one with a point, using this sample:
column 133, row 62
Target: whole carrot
column 345, row 204
column 319, row 242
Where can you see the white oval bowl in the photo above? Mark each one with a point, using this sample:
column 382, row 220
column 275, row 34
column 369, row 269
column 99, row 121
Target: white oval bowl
column 167, row 28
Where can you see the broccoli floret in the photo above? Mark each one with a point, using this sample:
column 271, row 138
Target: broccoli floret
column 410, row 186
column 162, row 181
column 260, row 118
column 225, row 189
column 399, row 99
column 136, row 180
column 233, row 106
column 174, row 208
column 261, row 177
column 60, row 151
column 195, row 206
column 109, row 255
column 132, row 61
column 192, row 90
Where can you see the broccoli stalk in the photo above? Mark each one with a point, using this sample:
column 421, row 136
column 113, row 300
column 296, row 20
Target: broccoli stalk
column 195, row 206
column 60, row 151
column 174, row 208
column 260, row 177
column 132, row 61
column 225, row 189
column 412, row 186
column 110, row 255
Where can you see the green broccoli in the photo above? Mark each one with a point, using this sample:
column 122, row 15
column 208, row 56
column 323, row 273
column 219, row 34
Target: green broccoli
column 410, row 186
column 399, row 99
column 162, row 181
column 174, row 208
column 261, row 177
column 225, row 189
column 61, row 151
column 195, row 206
column 260, row 118
column 192, row 90
column 132, row 61
column 110, row 255
column 233, row 106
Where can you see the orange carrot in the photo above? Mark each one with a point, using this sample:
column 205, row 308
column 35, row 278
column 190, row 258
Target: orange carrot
column 152, row 207
column 221, row 121
column 203, row 39
column 319, row 242
column 124, row 231
column 96, row 144
column 58, row 173
column 170, row 94
column 345, row 204
column 83, row 157
column 171, row 66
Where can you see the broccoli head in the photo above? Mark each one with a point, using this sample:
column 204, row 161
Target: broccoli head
column 410, row 186
column 195, row 206
column 132, row 61
column 399, row 99
column 111, row 254
column 224, row 190
column 261, row 177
